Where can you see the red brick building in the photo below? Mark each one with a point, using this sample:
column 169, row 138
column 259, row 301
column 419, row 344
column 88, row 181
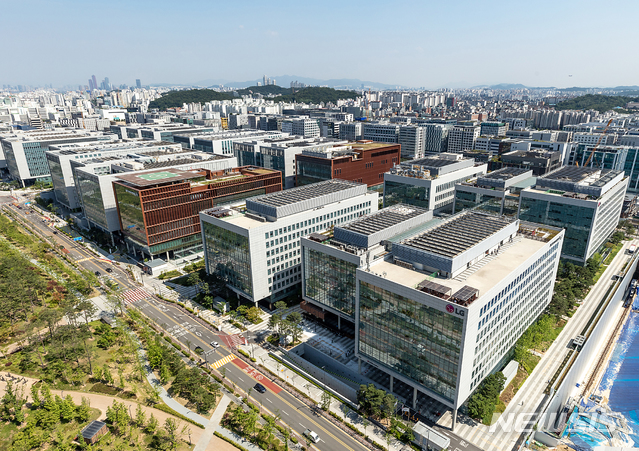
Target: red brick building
column 360, row 161
column 159, row 210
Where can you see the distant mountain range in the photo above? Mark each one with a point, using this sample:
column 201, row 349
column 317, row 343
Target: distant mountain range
column 355, row 83
column 285, row 82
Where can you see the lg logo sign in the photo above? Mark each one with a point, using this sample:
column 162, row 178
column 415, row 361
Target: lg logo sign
column 450, row 308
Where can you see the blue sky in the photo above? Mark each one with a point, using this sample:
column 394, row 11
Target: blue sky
column 412, row 43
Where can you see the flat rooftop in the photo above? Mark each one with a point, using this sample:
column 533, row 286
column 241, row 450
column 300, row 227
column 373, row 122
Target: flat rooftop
column 295, row 200
column 482, row 280
column 383, row 219
column 505, row 173
column 432, row 162
column 574, row 174
column 153, row 178
column 458, row 235
column 107, row 146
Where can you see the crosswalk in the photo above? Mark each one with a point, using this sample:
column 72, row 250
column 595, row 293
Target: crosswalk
column 135, row 295
column 223, row 361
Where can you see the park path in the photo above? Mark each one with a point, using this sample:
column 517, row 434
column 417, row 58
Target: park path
column 101, row 402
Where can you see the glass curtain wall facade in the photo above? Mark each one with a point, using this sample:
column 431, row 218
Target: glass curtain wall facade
column 414, row 340
column 396, row 193
column 313, row 171
column 59, row 187
column 464, row 200
column 130, row 210
column 330, row 281
column 227, row 254
column 92, row 201
column 575, row 219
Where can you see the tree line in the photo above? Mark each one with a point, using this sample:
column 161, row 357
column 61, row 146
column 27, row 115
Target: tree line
column 599, row 102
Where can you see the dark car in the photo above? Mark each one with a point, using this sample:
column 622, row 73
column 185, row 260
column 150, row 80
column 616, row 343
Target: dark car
column 55, row 232
column 97, row 273
column 109, row 270
column 260, row 388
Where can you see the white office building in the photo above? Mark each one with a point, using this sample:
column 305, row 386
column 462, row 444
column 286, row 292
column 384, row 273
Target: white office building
column 351, row 131
column 60, row 156
column 462, row 138
column 437, row 304
column 587, row 202
column 24, row 151
column 412, row 139
column 221, row 143
column 429, row 182
column 305, row 127
column 94, row 178
column 381, row 132
column 257, row 248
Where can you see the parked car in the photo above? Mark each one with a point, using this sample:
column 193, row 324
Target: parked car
column 97, row 273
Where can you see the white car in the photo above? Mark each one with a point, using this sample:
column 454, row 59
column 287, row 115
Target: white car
column 215, row 344
column 312, row 435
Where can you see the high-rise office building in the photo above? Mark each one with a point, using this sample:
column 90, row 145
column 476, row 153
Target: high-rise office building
column 95, row 82
column 138, row 83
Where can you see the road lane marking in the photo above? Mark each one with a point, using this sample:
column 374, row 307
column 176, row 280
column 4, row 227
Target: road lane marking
column 269, row 400
column 238, row 376
column 289, row 404
column 285, row 412
column 302, row 425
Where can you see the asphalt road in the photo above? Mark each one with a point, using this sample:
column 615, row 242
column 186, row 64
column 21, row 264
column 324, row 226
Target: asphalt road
column 297, row 415
column 76, row 251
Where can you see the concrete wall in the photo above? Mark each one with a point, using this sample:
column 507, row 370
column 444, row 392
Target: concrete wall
column 587, row 356
column 329, row 380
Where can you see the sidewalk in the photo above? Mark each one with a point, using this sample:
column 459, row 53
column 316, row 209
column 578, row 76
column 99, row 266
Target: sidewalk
column 347, row 414
column 168, row 399
column 206, row 436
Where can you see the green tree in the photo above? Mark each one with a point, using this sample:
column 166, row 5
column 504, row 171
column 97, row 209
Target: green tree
column 326, row 400
column 82, row 411
column 152, row 425
column 67, row 409
column 140, row 416
column 171, row 427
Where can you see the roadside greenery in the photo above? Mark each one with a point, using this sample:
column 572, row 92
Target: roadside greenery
column 374, row 402
column 481, row 405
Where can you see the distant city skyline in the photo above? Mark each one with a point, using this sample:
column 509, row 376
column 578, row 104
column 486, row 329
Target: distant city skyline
column 412, row 44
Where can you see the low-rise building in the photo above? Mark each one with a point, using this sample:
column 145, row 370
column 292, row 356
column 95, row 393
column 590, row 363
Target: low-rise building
column 429, row 182
column 61, row 156
column 364, row 162
column 540, row 161
column 496, row 192
column 159, row 210
column 94, row 179
column 221, row 142
column 587, row 202
column 24, row 151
